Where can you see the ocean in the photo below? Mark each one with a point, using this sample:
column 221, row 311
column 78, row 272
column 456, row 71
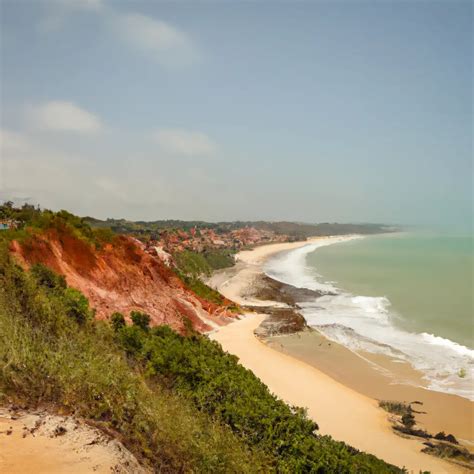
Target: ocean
column 405, row 295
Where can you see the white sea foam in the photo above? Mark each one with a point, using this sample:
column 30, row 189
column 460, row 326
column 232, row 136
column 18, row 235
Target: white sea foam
column 367, row 323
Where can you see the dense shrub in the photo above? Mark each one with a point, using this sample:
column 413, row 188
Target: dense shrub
column 117, row 320
column 141, row 320
column 35, row 218
column 47, row 278
column 219, row 386
column 219, row 258
column 192, row 264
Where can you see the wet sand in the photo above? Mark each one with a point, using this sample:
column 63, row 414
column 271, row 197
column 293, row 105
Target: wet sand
column 380, row 378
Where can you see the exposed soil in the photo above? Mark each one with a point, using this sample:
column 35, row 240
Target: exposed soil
column 37, row 442
column 122, row 277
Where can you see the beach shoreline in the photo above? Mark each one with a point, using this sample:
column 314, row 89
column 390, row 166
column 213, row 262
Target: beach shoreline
column 334, row 364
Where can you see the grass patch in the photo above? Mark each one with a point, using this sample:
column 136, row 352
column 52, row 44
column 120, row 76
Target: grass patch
column 219, row 258
column 191, row 266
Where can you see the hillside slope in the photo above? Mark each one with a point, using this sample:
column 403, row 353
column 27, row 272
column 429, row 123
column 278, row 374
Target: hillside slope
column 175, row 400
column 119, row 276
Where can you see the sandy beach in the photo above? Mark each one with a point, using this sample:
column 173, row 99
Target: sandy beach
column 338, row 388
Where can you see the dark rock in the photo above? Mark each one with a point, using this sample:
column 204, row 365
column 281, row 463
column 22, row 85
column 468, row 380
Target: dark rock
column 279, row 321
column 59, row 431
column 267, row 288
column 412, row 432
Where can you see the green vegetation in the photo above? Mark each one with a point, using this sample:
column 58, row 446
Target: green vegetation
column 202, row 290
column 46, row 356
column 397, row 408
column 191, row 266
column 178, row 402
column 195, row 264
column 198, row 369
column 458, row 454
column 36, row 219
column 219, row 258
column 295, row 230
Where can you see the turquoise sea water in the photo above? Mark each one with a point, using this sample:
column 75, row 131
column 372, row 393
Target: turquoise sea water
column 427, row 278
column 408, row 296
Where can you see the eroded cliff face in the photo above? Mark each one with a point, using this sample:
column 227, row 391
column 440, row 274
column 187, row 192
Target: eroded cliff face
column 122, row 277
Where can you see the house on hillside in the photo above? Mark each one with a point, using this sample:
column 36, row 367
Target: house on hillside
column 6, row 224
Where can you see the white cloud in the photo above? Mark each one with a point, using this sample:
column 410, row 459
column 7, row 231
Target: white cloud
column 63, row 116
column 158, row 39
column 58, row 12
column 184, row 142
column 164, row 42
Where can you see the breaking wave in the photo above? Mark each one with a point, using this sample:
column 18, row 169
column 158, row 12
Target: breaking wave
column 366, row 323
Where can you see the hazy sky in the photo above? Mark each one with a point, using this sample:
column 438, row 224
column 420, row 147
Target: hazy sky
column 314, row 111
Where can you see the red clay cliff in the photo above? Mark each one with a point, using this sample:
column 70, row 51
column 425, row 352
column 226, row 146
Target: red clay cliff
column 121, row 276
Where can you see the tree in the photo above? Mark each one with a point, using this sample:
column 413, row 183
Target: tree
column 6, row 210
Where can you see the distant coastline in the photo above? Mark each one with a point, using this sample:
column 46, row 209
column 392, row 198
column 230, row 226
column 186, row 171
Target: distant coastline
column 284, row 330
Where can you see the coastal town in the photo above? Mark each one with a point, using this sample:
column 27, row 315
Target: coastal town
column 170, row 241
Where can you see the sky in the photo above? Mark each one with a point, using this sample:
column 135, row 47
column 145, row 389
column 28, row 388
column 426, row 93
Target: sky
column 342, row 111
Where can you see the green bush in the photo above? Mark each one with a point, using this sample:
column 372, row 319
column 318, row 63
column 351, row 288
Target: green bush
column 191, row 264
column 397, row 408
column 117, row 320
column 47, row 278
column 77, row 306
column 219, row 386
column 141, row 320
column 219, row 258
